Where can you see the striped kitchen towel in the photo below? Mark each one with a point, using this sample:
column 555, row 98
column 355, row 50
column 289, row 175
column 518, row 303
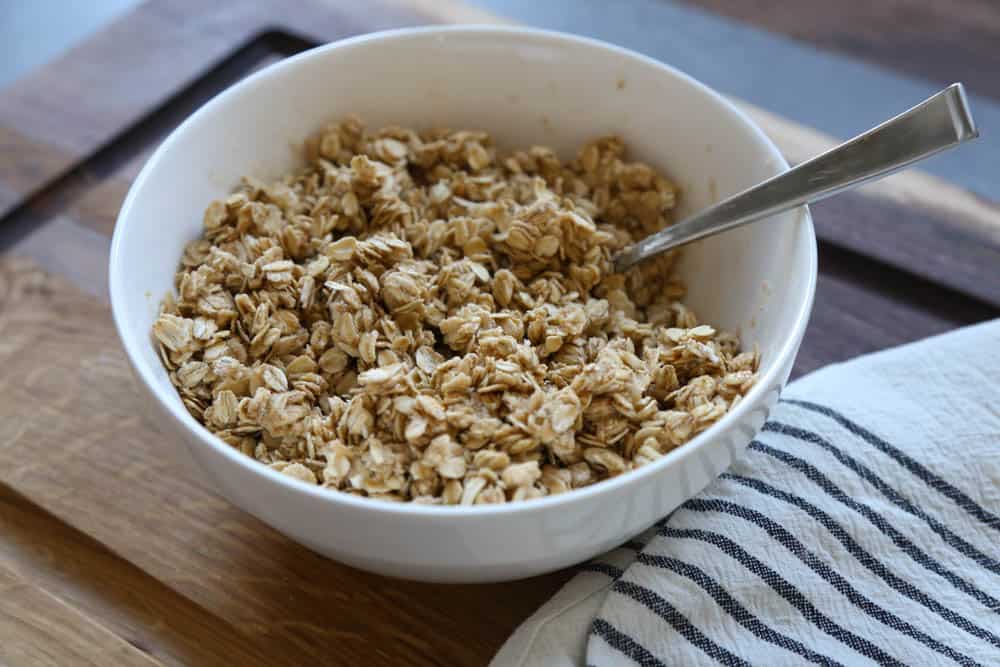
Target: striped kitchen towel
column 861, row 527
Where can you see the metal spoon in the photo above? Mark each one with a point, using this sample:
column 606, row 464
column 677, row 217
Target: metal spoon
column 937, row 123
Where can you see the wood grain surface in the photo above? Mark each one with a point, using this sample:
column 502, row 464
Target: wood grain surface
column 37, row 628
column 102, row 531
column 89, row 577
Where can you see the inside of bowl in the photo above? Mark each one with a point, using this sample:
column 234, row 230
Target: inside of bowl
column 525, row 89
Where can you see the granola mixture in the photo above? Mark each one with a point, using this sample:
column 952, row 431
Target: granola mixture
column 414, row 317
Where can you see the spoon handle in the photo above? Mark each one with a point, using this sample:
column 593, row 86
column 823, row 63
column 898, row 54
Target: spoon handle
column 937, row 123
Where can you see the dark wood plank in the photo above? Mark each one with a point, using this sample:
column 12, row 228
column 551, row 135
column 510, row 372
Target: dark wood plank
column 864, row 306
column 941, row 41
column 913, row 240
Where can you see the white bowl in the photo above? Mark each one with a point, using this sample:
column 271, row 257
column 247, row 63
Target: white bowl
column 526, row 87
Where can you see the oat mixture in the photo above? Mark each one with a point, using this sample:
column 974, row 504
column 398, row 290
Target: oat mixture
column 415, row 317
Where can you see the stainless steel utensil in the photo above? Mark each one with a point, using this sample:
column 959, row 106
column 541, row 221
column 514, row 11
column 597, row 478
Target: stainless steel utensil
column 937, row 123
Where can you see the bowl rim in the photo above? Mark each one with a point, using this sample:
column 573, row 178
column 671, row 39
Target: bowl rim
column 172, row 406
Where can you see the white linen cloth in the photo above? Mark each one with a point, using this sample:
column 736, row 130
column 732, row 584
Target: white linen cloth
column 861, row 527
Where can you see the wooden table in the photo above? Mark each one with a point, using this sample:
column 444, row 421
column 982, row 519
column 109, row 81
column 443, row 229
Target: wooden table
column 111, row 555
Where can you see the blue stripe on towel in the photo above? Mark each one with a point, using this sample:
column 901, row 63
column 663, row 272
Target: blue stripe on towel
column 863, row 471
column 781, row 535
column 785, row 589
column 624, row 644
column 929, row 478
column 732, row 607
column 861, row 555
column 877, row 520
column 669, row 613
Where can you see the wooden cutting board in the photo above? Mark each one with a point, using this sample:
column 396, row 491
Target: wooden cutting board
column 111, row 554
